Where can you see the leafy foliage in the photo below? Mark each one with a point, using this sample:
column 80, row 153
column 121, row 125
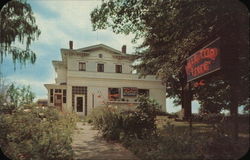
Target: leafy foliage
column 17, row 24
column 3, row 89
column 119, row 124
column 177, row 143
column 37, row 133
column 20, row 95
column 171, row 30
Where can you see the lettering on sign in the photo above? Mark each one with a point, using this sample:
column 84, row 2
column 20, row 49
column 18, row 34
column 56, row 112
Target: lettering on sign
column 199, row 83
column 204, row 61
column 130, row 91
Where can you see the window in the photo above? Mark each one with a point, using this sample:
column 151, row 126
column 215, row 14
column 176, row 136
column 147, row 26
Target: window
column 58, row 91
column 100, row 55
column 64, row 96
column 144, row 92
column 114, row 94
column 100, row 67
column 118, row 68
column 51, row 95
column 82, row 66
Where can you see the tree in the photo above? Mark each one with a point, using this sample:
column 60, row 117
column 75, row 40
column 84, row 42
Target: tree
column 19, row 96
column 3, row 89
column 27, row 95
column 17, row 24
column 171, row 30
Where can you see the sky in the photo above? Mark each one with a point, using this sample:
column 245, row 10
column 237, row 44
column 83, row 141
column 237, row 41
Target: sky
column 60, row 22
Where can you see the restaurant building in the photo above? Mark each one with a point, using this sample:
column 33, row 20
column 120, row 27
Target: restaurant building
column 99, row 75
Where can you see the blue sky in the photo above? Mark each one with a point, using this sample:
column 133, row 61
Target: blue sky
column 59, row 22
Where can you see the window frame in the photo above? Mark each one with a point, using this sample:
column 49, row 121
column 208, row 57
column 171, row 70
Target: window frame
column 64, row 96
column 51, row 96
column 118, row 68
column 114, row 98
column 98, row 68
column 82, row 66
column 142, row 89
column 58, row 90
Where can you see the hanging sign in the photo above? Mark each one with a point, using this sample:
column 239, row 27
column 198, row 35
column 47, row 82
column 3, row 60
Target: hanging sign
column 204, row 61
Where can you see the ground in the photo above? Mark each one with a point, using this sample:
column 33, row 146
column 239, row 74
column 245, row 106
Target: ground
column 89, row 145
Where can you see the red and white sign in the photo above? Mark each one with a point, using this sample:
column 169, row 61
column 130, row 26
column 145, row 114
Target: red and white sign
column 204, row 61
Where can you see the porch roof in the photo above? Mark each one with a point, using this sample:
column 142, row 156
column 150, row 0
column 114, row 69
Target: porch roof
column 55, row 86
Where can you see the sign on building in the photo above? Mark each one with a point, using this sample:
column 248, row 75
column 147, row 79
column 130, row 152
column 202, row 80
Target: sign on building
column 130, row 91
column 204, row 61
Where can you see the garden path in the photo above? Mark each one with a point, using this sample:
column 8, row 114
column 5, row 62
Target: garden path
column 89, row 145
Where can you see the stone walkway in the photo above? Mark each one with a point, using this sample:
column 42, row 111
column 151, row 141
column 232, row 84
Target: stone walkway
column 88, row 145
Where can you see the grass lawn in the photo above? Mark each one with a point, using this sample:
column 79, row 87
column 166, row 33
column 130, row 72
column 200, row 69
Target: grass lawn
column 201, row 128
column 179, row 126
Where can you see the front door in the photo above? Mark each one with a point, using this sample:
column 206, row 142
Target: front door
column 79, row 104
column 58, row 101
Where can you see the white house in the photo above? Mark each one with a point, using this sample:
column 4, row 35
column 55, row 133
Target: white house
column 98, row 75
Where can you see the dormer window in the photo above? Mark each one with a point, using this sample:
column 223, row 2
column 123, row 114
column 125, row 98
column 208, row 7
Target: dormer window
column 100, row 55
column 82, row 66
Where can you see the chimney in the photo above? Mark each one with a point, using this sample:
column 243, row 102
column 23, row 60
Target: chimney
column 124, row 49
column 70, row 44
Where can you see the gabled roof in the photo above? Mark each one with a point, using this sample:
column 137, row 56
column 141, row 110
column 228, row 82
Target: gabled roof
column 99, row 46
column 86, row 51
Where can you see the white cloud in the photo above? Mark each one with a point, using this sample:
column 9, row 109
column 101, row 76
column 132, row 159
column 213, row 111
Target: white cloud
column 75, row 13
column 64, row 21
column 51, row 32
column 73, row 23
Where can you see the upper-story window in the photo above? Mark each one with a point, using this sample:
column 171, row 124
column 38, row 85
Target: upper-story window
column 118, row 68
column 100, row 67
column 100, row 55
column 82, row 66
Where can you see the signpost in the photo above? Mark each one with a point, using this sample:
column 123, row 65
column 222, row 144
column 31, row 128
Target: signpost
column 201, row 63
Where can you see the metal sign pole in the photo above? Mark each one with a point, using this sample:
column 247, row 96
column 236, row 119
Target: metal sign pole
column 189, row 105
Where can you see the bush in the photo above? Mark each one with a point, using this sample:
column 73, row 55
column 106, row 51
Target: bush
column 37, row 133
column 210, row 118
column 6, row 109
column 119, row 124
column 178, row 145
column 137, row 131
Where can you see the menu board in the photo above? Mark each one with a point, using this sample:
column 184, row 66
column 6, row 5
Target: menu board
column 130, row 91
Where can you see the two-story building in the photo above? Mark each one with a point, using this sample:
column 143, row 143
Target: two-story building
column 98, row 75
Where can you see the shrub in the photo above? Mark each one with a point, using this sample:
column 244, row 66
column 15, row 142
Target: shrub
column 108, row 120
column 119, row 124
column 209, row 118
column 178, row 145
column 96, row 117
column 6, row 109
column 37, row 133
